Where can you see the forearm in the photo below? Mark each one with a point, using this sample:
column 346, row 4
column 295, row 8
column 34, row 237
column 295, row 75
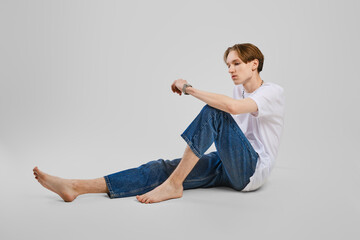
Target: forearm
column 215, row 100
column 218, row 101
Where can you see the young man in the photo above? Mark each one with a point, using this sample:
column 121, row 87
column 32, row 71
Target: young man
column 246, row 131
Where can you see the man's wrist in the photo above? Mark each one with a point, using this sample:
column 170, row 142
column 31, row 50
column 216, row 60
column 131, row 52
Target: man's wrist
column 189, row 90
column 185, row 88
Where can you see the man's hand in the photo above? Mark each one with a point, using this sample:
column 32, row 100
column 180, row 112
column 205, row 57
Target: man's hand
column 178, row 85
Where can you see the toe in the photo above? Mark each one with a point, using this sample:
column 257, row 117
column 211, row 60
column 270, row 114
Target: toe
column 142, row 198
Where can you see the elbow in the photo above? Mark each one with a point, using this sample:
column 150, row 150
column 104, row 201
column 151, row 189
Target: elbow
column 231, row 108
column 235, row 107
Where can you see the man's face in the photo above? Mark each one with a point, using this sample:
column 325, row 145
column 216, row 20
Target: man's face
column 240, row 72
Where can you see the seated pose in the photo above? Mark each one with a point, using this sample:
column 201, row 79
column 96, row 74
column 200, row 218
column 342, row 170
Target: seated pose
column 246, row 131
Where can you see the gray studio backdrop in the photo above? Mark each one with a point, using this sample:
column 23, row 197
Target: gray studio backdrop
column 85, row 89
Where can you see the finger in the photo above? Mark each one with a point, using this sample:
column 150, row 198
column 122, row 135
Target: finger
column 173, row 86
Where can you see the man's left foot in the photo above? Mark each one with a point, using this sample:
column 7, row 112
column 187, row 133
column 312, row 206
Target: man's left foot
column 167, row 190
column 63, row 187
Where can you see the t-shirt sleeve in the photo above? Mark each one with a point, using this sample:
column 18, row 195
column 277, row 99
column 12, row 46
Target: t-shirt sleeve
column 268, row 100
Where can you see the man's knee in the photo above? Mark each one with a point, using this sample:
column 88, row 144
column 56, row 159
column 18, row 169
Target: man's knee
column 208, row 109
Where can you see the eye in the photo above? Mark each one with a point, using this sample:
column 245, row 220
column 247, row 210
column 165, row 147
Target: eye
column 237, row 63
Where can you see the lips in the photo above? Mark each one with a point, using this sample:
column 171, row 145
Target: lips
column 233, row 76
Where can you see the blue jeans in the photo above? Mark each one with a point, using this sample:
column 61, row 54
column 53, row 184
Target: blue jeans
column 231, row 165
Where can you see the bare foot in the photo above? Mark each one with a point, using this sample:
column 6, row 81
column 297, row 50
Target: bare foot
column 167, row 190
column 63, row 187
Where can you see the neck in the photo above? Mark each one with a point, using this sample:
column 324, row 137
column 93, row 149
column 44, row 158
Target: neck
column 253, row 83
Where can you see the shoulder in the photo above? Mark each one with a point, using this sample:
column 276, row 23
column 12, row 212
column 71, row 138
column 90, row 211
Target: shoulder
column 269, row 86
column 269, row 90
column 269, row 99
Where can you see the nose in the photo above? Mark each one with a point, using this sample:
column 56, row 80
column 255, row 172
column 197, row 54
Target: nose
column 231, row 69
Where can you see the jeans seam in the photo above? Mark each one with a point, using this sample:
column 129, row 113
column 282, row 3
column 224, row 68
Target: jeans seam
column 226, row 115
column 241, row 137
column 212, row 116
column 201, row 179
column 136, row 190
column 195, row 135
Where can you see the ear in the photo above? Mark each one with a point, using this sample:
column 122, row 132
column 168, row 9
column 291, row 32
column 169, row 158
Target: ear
column 255, row 64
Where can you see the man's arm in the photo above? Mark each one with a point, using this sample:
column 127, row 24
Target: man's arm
column 219, row 101
column 223, row 102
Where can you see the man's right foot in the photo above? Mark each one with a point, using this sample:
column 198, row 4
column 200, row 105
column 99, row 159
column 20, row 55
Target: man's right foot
column 63, row 187
column 167, row 190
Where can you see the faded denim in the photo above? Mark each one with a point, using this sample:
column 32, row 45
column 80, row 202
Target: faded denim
column 231, row 165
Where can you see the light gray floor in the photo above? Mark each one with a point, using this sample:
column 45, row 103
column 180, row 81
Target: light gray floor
column 292, row 205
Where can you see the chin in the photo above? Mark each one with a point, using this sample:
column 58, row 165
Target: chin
column 237, row 82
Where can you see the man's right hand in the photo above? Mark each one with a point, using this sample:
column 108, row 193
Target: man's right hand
column 177, row 86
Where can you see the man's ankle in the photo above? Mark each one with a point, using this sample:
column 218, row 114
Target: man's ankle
column 175, row 182
column 76, row 185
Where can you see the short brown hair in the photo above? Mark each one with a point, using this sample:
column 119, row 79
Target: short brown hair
column 247, row 52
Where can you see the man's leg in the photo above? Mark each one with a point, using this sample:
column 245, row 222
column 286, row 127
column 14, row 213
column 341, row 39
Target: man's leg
column 69, row 189
column 173, row 186
column 231, row 166
column 236, row 153
column 135, row 181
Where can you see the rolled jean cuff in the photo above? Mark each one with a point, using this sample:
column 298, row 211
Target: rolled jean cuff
column 191, row 145
column 111, row 192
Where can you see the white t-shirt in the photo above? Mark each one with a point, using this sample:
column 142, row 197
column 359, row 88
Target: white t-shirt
column 262, row 128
